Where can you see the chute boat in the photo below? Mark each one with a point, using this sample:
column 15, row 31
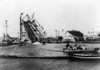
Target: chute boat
column 87, row 50
column 73, row 49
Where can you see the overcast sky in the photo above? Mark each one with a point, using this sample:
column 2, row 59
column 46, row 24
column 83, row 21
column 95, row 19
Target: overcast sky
column 82, row 15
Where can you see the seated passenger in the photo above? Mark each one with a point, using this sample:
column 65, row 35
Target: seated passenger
column 83, row 47
column 75, row 46
column 79, row 47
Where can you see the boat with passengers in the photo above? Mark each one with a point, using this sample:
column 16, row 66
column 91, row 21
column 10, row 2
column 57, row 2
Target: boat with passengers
column 79, row 49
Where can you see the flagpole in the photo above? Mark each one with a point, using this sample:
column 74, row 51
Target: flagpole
column 21, row 26
column 6, row 31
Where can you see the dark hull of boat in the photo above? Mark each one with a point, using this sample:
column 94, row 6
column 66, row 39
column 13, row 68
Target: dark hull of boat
column 79, row 51
column 81, row 56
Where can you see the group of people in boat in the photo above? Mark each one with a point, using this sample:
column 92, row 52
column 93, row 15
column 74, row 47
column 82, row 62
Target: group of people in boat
column 75, row 46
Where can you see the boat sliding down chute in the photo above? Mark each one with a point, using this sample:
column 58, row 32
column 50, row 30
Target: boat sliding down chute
column 33, row 29
column 30, row 32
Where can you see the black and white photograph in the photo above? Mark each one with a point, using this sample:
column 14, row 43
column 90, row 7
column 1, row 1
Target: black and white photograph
column 49, row 34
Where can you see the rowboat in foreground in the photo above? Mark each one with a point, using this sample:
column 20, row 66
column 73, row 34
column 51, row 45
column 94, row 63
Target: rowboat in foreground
column 86, row 56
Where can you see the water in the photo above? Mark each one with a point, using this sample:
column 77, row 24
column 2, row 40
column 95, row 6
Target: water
column 49, row 64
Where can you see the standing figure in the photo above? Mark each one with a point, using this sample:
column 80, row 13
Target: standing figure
column 67, row 45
